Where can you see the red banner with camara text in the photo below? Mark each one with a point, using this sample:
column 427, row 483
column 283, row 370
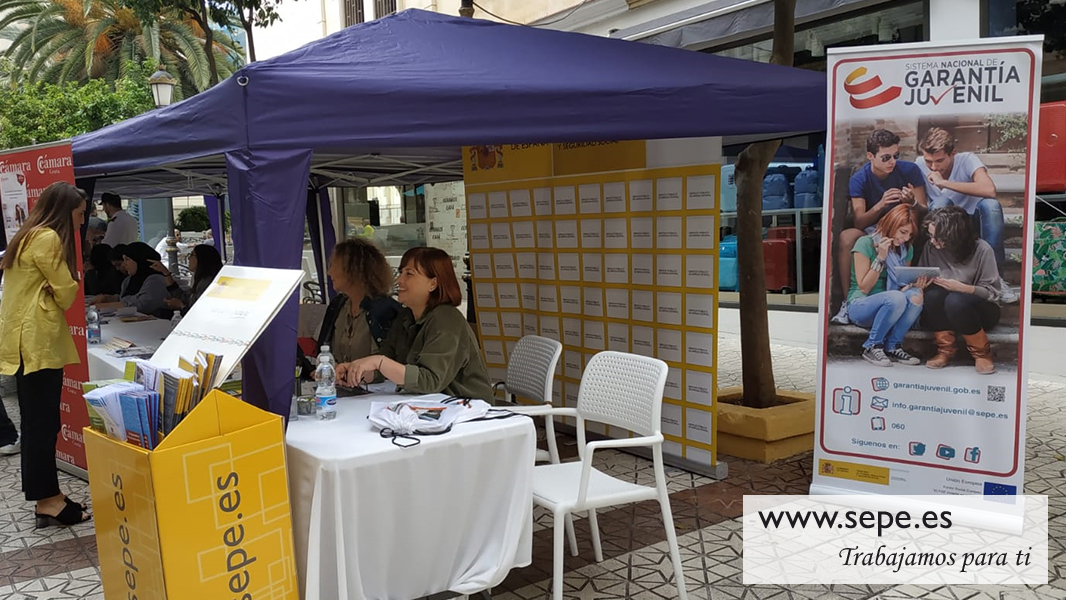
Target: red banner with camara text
column 24, row 174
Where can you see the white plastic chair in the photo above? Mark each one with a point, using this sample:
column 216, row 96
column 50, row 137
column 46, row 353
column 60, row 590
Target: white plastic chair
column 530, row 374
column 620, row 390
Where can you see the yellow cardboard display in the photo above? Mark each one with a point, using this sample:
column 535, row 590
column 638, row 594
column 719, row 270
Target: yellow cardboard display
column 520, row 235
column 204, row 515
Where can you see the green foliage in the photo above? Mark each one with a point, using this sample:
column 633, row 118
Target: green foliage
column 195, row 218
column 57, row 41
column 43, row 112
column 1008, row 127
column 1049, row 252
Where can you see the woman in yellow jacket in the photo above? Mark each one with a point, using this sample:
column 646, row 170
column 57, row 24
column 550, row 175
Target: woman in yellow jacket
column 40, row 283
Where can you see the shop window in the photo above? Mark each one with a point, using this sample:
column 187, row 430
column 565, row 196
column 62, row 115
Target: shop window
column 353, row 12
column 384, row 8
column 903, row 22
column 1008, row 18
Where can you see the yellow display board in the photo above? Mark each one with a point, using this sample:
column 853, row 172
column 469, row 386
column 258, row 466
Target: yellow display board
column 621, row 259
column 204, row 515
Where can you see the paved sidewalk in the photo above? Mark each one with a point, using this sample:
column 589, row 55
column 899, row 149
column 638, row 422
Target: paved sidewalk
column 61, row 564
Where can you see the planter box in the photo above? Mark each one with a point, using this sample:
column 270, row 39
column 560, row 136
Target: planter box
column 765, row 434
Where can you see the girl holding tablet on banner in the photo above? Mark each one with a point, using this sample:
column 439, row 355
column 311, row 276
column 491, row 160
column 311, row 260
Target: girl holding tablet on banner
column 431, row 347
column 40, row 284
column 963, row 299
column 876, row 299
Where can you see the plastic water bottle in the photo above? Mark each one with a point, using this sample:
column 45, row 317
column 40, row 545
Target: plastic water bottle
column 92, row 325
column 175, row 319
column 325, row 352
column 326, row 386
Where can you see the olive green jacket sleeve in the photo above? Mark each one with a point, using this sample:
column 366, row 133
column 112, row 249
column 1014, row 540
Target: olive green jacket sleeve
column 439, row 360
column 444, row 357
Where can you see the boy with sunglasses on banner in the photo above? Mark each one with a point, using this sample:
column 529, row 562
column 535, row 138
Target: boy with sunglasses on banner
column 882, row 184
column 961, row 179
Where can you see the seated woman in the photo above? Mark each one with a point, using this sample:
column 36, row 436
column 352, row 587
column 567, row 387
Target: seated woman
column 144, row 289
column 205, row 263
column 359, row 319
column 118, row 259
column 102, row 277
column 432, row 348
column 875, row 299
column 963, row 299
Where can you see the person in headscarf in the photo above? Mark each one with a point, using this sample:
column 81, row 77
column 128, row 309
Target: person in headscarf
column 102, row 277
column 145, row 288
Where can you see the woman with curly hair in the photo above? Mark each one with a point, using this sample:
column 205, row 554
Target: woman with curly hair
column 359, row 318
column 963, row 299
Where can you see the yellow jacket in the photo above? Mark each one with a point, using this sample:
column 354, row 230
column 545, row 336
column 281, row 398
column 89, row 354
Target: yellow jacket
column 32, row 324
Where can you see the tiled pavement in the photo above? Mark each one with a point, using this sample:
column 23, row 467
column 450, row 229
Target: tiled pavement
column 62, row 563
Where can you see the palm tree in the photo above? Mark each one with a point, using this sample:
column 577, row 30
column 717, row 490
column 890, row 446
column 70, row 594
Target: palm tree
column 74, row 40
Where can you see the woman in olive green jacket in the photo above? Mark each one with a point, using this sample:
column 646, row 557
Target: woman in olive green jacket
column 40, row 283
column 431, row 347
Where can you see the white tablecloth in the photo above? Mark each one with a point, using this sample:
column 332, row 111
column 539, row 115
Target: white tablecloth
column 142, row 333
column 373, row 521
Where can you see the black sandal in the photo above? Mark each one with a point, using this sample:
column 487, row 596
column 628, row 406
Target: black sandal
column 70, row 515
column 78, row 505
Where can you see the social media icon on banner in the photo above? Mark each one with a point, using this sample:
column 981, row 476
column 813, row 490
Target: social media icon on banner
column 879, row 403
column 877, row 423
column 917, row 449
column 880, row 384
column 846, row 401
column 945, row 452
column 973, row 455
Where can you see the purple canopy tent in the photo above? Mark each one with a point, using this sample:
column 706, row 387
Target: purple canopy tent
column 393, row 101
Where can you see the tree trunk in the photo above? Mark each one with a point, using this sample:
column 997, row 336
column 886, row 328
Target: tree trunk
column 248, row 23
column 757, row 368
column 209, row 44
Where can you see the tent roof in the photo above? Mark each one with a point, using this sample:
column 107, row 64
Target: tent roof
column 423, row 84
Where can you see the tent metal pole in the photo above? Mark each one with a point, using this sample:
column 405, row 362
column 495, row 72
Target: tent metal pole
column 321, row 248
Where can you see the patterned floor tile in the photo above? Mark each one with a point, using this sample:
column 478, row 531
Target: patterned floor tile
column 59, row 563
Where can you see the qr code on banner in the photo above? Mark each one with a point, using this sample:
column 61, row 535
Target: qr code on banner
column 996, row 393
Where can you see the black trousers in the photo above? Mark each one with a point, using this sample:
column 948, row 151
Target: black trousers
column 8, row 435
column 954, row 311
column 39, row 394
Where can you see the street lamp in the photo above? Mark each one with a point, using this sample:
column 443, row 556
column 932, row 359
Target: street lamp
column 162, row 85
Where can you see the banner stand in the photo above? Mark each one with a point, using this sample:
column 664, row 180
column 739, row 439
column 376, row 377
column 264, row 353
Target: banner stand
column 24, row 174
column 944, row 201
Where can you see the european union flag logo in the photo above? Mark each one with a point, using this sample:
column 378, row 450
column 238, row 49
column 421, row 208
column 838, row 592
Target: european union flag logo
column 1000, row 489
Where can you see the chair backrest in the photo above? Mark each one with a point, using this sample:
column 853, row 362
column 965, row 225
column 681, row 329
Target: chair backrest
column 531, row 367
column 624, row 390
